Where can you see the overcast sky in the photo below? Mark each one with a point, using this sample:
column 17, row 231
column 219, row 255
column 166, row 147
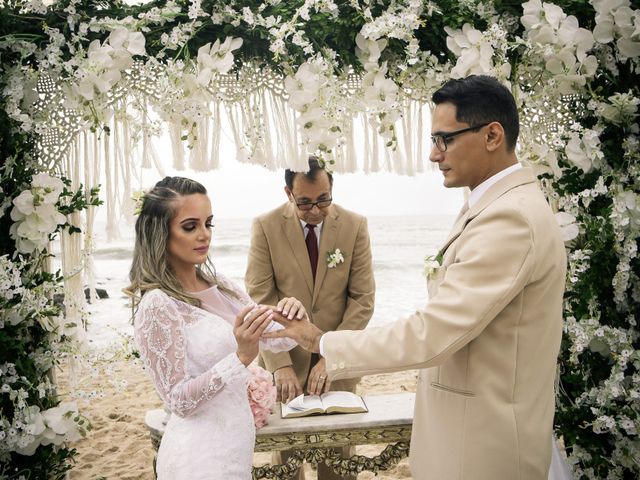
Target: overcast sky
column 240, row 191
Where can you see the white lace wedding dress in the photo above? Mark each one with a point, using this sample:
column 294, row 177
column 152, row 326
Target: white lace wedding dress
column 190, row 354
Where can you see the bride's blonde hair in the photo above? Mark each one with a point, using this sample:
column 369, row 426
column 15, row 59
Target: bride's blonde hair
column 150, row 268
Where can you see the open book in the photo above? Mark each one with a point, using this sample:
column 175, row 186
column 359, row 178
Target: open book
column 330, row 402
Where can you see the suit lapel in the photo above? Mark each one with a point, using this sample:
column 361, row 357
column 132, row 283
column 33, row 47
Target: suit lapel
column 328, row 238
column 456, row 230
column 515, row 179
column 295, row 236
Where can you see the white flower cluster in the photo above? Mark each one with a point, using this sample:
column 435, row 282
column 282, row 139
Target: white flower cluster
column 480, row 53
column 216, row 58
column 105, row 63
column 32, row 427
column 380, row 93
column 625, row 218
column 583, row 149
column 621, row 110
column 35, row 214
column 187, row 86
column 314, row 93
column 10, row 282
column 558, row 46
column 398, row 21
column 615, row 20
column 334, row 258
column 18, row 303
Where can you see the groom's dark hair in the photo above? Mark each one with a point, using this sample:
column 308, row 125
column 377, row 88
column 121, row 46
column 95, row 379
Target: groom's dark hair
column 482, row 99
column 311, row 174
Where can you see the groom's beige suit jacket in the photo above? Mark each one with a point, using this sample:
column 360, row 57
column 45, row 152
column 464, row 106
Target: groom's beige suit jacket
column 340, row 298
column 486, row 343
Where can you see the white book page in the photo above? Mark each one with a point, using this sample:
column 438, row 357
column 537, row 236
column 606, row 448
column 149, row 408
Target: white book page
column 305, row 402
column 341, row 399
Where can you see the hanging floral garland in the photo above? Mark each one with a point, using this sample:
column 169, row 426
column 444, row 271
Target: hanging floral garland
column 123, row 72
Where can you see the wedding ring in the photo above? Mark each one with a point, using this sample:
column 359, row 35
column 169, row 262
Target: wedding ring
column 322, row 377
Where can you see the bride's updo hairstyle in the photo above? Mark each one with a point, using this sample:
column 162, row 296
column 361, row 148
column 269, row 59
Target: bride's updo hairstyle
column 150, row 268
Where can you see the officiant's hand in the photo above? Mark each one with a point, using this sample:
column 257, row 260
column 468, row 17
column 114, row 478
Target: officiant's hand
column 303, row 332
column 318, row 381
column 248, row 330
column 287, row 385
column 291, row 308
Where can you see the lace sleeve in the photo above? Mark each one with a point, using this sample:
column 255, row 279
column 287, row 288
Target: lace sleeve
column 272, row 344
column 159, row 332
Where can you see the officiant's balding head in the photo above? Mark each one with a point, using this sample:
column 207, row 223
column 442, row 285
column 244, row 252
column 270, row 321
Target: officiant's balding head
column 310, row 192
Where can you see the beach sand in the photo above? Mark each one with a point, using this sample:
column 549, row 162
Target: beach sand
column 118, row 446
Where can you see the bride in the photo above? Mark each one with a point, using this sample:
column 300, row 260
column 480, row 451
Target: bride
column 197, row 333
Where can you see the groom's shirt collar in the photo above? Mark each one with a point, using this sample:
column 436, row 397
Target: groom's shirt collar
column 480, row 190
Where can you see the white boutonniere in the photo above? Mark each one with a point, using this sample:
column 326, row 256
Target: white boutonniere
column 431, row 264
column 334, row 258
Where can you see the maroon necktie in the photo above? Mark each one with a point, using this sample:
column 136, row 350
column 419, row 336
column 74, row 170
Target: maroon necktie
column 312, row 248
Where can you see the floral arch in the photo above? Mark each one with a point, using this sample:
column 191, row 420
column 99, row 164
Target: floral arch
column 86, row 85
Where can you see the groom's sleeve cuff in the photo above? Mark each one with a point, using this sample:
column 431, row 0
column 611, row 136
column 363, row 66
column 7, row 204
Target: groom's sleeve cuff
column 322, row 345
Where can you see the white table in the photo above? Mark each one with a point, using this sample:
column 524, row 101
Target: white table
column 388, row 421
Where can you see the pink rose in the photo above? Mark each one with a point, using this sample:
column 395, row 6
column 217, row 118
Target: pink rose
column 262, row 395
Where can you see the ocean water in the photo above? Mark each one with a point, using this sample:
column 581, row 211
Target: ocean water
column 399, row 245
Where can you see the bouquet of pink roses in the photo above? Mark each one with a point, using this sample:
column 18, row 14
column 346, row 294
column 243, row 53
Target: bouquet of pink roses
column 262, row 395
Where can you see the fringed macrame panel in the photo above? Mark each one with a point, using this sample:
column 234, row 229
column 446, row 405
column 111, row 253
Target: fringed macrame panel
column 251, row 106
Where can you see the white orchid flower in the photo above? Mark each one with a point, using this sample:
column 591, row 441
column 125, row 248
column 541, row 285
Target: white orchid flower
column 303, row 88
column 474, row 51
column 60, row 421
column 49, row 187
column 368, row 51
column 23, row 205
column 380, row 92
column 568, row 226
column 218, row 57
column 584, row 151
column 132, row 42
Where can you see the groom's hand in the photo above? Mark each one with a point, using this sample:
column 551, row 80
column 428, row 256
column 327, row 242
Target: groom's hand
column 303, row 332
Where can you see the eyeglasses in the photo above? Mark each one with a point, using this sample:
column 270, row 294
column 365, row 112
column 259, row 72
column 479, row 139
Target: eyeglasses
column 440, row 139
column 306, row 206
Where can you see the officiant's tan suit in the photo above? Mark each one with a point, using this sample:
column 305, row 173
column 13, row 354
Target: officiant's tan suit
column 341, row 298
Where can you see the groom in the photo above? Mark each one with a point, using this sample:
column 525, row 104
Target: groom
column 488, row 340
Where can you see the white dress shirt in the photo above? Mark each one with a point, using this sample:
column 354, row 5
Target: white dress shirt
column 306, row 231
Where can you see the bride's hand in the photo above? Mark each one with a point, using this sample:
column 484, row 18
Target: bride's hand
column 291, row 308
column 250, row 324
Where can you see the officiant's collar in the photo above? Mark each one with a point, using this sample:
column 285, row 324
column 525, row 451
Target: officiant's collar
column 318, row 228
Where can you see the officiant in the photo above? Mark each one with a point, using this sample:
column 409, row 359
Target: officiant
column 318, row 252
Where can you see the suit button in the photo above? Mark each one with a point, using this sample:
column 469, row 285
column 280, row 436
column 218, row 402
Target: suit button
column 341, row 365
column 315, row 310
